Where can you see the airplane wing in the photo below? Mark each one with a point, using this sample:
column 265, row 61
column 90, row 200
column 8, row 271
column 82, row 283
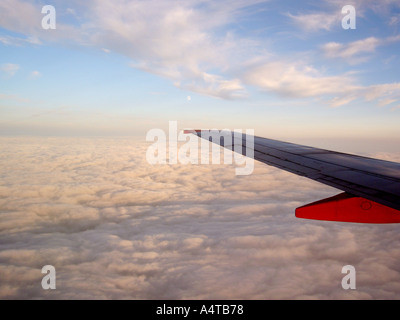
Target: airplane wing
column 371, row 186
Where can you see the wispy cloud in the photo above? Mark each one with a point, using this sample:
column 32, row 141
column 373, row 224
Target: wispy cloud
column 329, row 14
column 312, row 22
column 295, row 80
column 177, row 41
column 298, row 81
column 356, row 51
column 12, row 97
column 352, row 52
column 394, row 20
column 15, row 41
column 35, row 75
column 385, row 92
column 10, row 69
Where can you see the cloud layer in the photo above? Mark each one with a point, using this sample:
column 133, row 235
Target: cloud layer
column 115, row 227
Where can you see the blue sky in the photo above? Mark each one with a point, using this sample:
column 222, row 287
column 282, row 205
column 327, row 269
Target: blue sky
column 286, row 69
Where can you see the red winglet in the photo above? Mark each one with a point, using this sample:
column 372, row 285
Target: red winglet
column 345, row 207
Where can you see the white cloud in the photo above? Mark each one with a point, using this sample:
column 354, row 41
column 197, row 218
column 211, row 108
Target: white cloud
column 330, row 15
column 394, row 20
column 19, row 16
column 356, row 51
column 299, row 81
column 176, row 41
column 115, row 227
column 302, row 81
column 14, row 41
column 71, row 12
column 313, row 22
column 35, row 74
column 10, row 69
column 384, row 92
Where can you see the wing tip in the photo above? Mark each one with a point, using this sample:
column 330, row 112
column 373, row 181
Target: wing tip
column 345, row 207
